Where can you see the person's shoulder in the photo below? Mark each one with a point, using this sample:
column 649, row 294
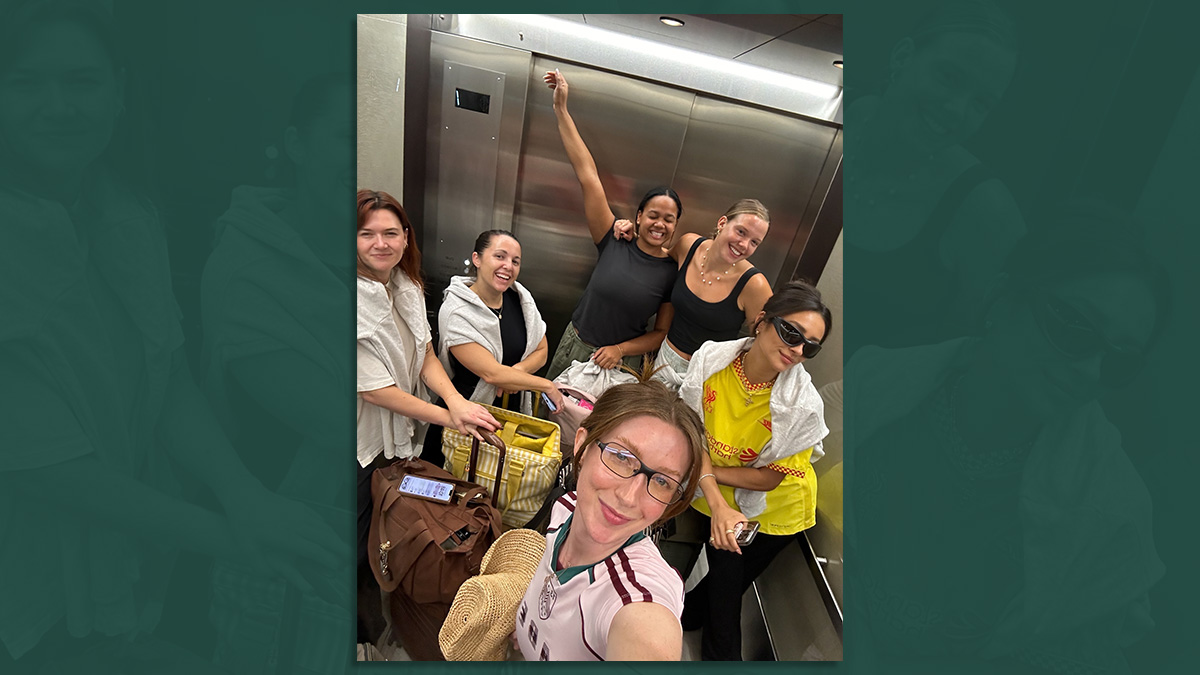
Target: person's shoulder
column 639, row 572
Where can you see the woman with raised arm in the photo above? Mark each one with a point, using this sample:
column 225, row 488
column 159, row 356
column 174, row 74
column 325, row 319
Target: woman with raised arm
column 632, row 280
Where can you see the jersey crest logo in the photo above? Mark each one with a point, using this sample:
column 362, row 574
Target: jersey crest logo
column 710, row 398
column 546, row 602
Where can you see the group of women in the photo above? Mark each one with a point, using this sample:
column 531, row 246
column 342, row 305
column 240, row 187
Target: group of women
column 738, row 419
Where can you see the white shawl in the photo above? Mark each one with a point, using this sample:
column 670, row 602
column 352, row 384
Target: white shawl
column 797, row 412
column 464, row 318
column 378, row 332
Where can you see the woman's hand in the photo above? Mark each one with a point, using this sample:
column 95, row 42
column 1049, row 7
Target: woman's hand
column 623, row 229
column 724, row 529
column 469, row 417
column 556, row 398
column 608, row 357
column 558, row 83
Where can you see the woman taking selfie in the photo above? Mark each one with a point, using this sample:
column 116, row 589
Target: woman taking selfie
column 602, row 591
column 765, row 422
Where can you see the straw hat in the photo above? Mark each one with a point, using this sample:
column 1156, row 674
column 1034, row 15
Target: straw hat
column 484, row 611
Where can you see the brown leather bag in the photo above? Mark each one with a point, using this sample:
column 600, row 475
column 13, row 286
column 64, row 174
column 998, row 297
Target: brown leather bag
column 422, row 551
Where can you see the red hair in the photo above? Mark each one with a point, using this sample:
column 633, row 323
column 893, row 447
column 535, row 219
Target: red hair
column 410, row 262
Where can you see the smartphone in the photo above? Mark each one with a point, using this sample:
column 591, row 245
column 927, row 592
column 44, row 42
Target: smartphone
column 746, row 531
column 426, row 488
column 549, row 404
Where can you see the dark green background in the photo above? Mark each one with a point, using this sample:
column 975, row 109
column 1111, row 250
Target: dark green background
column 1105, row 100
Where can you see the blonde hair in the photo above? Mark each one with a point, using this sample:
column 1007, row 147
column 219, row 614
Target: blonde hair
column 744, row 207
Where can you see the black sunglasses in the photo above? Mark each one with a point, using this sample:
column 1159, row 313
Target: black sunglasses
column 793, row 337
column 1073, row 336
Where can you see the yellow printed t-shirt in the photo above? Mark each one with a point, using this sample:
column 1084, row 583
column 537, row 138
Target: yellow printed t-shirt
column 737, row 422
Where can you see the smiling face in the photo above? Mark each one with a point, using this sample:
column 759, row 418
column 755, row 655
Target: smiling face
column 774, row 351
column 59, row 100
column 739, row 237
column 610, row 508
column 1051, row 345
column 381, row 243
column 943, row 90
column 499, row 264
column 656, row 220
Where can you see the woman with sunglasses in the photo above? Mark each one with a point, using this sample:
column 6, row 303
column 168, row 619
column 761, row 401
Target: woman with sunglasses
column 764, row 421
column 997, row 448
column 602, row 591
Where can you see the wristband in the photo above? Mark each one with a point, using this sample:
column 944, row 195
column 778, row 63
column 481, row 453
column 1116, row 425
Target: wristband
column 620, row 350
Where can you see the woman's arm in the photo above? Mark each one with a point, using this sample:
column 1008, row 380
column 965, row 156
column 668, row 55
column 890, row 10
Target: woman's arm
column 680, row 248
column 760, row 478
column 610, row 356
column 724, row 516
column 595, row 204
column 754, row 296
column 459, row 413
column 644, row 631
column 480, row 361
column 536, row 359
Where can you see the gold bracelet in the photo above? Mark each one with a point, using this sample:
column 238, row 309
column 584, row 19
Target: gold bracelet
column 620, row 350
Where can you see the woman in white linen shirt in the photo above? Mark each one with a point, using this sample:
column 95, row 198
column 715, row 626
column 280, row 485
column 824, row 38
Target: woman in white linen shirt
column 395, row 350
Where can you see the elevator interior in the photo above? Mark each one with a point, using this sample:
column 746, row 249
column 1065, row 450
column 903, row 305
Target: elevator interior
column 729, row 107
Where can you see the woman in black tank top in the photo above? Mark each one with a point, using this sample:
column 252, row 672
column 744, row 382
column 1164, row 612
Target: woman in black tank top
column 718, row 290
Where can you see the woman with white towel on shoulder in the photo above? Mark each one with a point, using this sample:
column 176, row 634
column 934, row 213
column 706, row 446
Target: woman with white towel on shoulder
column 492, row 336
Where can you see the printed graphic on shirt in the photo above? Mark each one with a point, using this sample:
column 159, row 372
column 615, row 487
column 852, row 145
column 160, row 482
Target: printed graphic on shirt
column 545, row 655
column 718, row 449
column 523, row 613
column 546, row 602
column 710, row 399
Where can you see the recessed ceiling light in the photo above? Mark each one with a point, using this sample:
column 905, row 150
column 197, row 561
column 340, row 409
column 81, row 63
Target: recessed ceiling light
column 837, row 64
column 671, row 21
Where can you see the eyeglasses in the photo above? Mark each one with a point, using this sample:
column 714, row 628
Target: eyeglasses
column 1073, row 336
column 621, row 461
column 792, row 337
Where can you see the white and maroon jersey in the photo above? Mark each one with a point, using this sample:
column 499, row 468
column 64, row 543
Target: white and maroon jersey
column 565, row 616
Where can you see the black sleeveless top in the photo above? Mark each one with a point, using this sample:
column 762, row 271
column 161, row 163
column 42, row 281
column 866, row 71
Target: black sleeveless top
column 697, row 321
column 906, row 297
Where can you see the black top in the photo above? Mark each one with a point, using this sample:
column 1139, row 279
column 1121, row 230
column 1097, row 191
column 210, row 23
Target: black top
column 625, row 290
column 697, row 321
column 512, row 336
column 905, row 299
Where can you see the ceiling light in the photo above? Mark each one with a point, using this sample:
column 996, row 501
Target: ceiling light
column 671, row 21
column 837, row 64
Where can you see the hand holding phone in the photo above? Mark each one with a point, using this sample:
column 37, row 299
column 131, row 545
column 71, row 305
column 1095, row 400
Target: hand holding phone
column 746, row 531
column 549, row 404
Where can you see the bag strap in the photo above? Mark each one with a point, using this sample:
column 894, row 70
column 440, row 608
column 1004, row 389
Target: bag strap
column 492, row 439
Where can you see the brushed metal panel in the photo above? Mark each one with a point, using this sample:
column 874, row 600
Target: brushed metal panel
column 735, row 151
column 472, row 157
column 797, row 618
column 808, row 51
column 634, row 129
column 726, row 38
column 381, row 58
column 652, row 59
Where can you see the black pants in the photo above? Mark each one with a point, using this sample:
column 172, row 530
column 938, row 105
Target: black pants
column 716, row 603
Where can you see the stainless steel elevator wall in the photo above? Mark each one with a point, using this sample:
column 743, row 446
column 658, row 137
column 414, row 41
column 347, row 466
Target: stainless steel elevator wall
column 642, row 134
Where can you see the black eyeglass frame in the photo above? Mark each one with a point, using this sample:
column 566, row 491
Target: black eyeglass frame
column 811, row 346
column 642, row 469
